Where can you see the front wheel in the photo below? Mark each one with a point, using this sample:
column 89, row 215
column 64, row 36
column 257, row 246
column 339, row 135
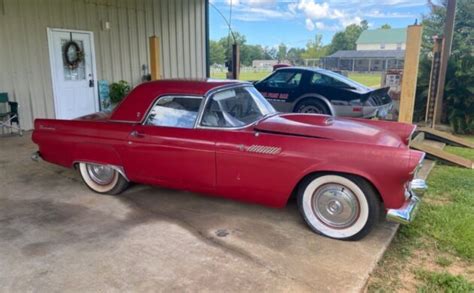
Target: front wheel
column 339, row 207
column 102, row 178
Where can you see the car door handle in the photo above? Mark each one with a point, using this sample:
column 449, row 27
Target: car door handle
column 137, row 134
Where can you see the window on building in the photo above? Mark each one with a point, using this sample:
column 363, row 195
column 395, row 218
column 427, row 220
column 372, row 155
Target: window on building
column 399, row 46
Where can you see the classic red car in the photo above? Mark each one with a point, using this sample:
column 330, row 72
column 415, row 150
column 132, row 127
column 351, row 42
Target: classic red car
column 223, row 138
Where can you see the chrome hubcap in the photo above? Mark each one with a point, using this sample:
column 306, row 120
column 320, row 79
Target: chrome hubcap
column 311, row 109
column 100, row 174
column 335, row 205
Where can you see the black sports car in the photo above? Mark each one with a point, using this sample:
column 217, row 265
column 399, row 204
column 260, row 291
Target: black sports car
column 314, row 90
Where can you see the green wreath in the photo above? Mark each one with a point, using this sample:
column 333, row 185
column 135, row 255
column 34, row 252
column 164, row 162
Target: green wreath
column 73, row 61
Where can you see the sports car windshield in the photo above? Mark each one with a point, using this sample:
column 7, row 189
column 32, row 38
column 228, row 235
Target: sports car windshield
column 235, row 107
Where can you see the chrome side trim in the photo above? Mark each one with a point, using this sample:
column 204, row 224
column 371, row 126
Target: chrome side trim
column 269, row 150
column 119, row 169
column 406, row 213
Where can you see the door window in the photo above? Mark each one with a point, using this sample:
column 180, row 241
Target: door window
column 174, row 111
column 77, row 72
column 285, row 79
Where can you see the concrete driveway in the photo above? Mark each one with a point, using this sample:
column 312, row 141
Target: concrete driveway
column 57, row 235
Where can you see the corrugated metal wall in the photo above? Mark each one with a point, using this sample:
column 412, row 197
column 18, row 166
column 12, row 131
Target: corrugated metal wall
column 120, row 52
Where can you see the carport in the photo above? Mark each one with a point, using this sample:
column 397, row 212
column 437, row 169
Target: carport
column 57, row 235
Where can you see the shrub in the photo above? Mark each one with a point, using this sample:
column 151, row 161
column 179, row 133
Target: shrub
column 118, row 90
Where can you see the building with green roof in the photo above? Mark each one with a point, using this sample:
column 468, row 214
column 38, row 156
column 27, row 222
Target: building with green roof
column 377, row 50
column 382, row 39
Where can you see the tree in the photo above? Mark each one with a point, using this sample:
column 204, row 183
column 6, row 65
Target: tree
column 269, row 53
column 386, row 26
column 346, row 40
column 216, row 53
column 364, row 25
column 295, row 56
column 282, row 51
column 459, row 89
column 315, row 48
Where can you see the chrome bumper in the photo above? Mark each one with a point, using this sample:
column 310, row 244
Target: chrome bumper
column 406, row 213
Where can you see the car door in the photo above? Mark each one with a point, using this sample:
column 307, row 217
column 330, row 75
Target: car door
column 250, row 166
column 282, row 88
column 167, row 150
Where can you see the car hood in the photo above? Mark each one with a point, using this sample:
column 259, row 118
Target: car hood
column 327, row 127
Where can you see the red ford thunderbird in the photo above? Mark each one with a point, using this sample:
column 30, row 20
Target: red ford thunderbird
column 224, row 138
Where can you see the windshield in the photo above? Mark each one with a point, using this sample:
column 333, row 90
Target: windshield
column 235, row 107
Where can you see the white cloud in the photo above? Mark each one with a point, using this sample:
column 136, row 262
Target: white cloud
column 345, row 21
column 375, row 13
column 320, row 25
column 250, row 2
column 309, row 24
column 249, row 13
column 314, row 10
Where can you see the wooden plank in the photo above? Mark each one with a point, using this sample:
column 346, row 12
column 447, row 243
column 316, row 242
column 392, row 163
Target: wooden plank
column 442, row 155
column 446, row 137
column 155, row 57
column 410, row 73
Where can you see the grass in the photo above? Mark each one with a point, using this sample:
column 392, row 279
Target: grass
column 438, row 247
column 368, row 79
column 442, row 282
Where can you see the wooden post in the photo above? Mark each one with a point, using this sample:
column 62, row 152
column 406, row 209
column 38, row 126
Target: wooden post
column 155, row 57
column 410, row 73
column 235, row 61
column 433, row 85
column 445, row 52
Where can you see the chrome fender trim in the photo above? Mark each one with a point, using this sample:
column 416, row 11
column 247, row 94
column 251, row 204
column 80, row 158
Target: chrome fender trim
column 119, row 169
column 406, row 213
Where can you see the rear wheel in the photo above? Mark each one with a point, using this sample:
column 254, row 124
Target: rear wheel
column 340, row 207
column 312, row 106
column 102, row 178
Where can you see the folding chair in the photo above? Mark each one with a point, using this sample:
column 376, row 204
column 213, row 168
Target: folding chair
column 9, row 114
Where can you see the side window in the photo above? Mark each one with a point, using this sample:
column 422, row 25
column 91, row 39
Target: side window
column 324, row 80
column 284, row 79
column 174, row 111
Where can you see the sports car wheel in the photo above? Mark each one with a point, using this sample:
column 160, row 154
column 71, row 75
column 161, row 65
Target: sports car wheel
column 102, row 178
column 340, row 207
column 312, row 106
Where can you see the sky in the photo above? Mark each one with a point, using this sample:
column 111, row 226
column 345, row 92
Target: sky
column 295, row 22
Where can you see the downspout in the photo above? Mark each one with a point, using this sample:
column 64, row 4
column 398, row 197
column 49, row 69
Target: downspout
column 206, row 15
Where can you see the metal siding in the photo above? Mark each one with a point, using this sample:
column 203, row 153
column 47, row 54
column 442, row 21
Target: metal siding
column 120, row 51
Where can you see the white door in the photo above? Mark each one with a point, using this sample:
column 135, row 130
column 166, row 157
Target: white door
column 73, row 70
